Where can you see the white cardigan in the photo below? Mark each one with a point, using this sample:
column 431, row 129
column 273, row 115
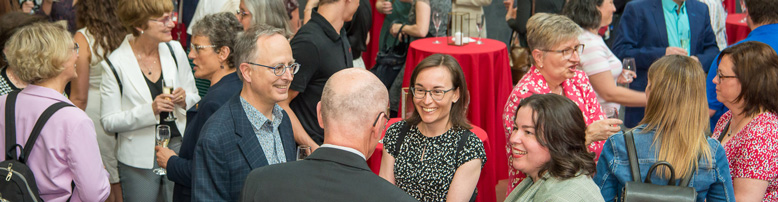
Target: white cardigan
column 129, row 112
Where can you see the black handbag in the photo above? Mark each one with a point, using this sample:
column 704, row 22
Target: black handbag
column 390, row 61
column 638, row 191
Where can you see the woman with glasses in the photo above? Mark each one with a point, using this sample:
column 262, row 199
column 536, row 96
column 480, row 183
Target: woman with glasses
column 212, row 49
column 747, row 83
column 268, row 12
column 134, row 96
column 555, row 49
column 422, row 154
column 65, row 154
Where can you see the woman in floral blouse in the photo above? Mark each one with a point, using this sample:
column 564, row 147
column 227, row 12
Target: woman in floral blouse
column 556, row 51
column 747, row 82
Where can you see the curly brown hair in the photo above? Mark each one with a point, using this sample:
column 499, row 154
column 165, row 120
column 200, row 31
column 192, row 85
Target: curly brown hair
column 99, row 18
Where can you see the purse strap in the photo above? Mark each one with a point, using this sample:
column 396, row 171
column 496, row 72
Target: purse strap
column 633, row 156
column 723, row 132
column 401, row 138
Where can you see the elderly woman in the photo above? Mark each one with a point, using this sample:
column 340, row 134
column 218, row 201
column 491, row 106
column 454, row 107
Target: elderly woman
column 547, row 143
column 9, row 24
column 553, row 40
column 213, row 45
column 747, row 83
column 599, row 63
column 133, row 99
column 673, row 130
column 269, row 12
column 65, row 154
column 432, row 155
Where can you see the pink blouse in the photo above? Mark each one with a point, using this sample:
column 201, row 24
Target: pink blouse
column 753, row 152
column 577, row 89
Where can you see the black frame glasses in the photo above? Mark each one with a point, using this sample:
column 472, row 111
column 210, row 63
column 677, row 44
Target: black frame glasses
column 722, row 76
column 379, row 117
column 433, row 93
column 294, row 67
column 197, row 48
column 568, row 52
column 75, row 47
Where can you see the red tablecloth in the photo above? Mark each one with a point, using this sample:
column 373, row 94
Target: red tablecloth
column 730, row 6
column 486, row 181
column 488, row 77
column 736, row 28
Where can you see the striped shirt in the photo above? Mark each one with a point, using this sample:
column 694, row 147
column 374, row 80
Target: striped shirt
column 718, row 21
column 597, row 58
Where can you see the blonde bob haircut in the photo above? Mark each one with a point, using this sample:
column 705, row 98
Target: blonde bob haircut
column 38, row 51
column 677, row 111
column 137, row 13
column 545, row 30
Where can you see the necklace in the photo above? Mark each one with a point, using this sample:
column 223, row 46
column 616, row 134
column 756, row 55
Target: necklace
column 729, row 132
column 148, row 68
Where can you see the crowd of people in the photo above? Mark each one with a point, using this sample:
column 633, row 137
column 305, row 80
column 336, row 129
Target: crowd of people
column 280, row 80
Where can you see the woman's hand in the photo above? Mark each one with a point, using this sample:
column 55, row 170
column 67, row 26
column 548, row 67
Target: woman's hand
column 511, row 14
column 384, row 7
column 630, row 76
column 395, row 30
column 179, row 97
column 602, row 129
column 162, row 103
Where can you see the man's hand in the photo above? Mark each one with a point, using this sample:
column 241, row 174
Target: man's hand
column 675, row 51
column 163, row 154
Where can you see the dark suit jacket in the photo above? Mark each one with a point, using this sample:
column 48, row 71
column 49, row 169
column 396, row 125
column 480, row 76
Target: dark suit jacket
column 179, row 168
column 228, row 150
column 328, row 174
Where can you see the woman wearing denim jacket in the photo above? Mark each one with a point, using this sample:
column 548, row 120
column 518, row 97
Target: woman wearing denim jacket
column 676, row 97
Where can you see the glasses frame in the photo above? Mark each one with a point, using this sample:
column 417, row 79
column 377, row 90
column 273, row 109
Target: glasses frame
column 197, row 48
column 75, row 47
column 172, row 17
column 240, row 14
column 568, row 52
column 722, row 76
column 413, row 91
column 295, row 67
column 379, row 117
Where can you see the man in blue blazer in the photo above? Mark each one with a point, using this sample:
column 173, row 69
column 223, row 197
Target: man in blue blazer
column 650, row 29
column 250, row 130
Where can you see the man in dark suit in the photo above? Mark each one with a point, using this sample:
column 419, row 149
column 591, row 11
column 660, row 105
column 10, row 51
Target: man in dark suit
column 250, row 130
column 650, row 29
column 352, row 113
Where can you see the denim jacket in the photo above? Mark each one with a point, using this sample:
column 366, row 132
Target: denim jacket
column 613, row 170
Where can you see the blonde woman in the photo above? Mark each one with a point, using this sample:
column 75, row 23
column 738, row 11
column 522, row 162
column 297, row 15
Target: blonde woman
column 673, row 130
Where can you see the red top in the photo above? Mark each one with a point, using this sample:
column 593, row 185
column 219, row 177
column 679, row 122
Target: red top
column 577, row 89
column 753, row 152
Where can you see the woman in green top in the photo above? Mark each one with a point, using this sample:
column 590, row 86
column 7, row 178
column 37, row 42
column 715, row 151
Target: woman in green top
column 547, row 143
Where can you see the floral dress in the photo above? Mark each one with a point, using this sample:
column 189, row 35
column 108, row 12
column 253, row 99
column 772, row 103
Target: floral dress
column 576, row 88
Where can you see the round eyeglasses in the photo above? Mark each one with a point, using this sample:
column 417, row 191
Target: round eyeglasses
column 437, row 94
column 280, row 69
column 568, row 52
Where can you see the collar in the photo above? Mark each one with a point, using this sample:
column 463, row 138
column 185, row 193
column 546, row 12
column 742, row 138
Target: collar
column 226, row 79
column 768, row 29
column 257, row 119
column 671, row 6
column 348, row 149
column 326, row 26
column 41, row 91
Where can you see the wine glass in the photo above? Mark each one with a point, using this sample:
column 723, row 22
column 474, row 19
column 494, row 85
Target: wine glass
column 744, row 9
column 167, row 89
column 162, row 138
column 685, row 44
column 628, row 64
column 612, row 112
column 436, row 18
column 479, row 25
column 303, row 151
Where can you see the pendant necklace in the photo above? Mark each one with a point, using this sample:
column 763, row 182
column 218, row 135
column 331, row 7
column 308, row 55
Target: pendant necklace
column 140, row 60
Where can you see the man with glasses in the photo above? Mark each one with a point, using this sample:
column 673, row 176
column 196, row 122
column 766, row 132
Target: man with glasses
column 250, row 130
column 650, row 29
column 352, row 100
column 322, row 48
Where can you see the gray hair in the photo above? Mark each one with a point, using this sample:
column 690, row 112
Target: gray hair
column 353, row 97
column 246, row 44
column 546, row 30
column 269, row 12
column 221, row 29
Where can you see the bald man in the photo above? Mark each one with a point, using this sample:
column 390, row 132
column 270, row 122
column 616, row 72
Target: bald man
column 352, row 114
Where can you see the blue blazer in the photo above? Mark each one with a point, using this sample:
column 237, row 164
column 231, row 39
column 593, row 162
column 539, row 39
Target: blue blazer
column 228, row 150
column 179, row 168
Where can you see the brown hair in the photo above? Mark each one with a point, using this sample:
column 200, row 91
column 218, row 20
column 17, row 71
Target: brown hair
column 458, row 115
column 756, row 67
column 11, row 22
column 137, row 13
column 99, row 18
column 560, row 127
column 762, row 11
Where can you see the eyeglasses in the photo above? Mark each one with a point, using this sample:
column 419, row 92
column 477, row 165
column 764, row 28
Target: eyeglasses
column 382, row 114
column 197, row 48
column 171, row 17
column 75, row 48
column 240, row 14
column 280, row 69
column 567, row 53
column 721, row 76
column 436, row 94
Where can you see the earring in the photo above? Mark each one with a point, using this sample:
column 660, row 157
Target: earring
column 141, row 32
column 221, row 66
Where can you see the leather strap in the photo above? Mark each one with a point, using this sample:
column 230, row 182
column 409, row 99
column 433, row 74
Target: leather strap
column 401, row 138
column 10, row 125
column 115, row 75
column 36, row 130
column 724, row 132
column 633, row 156
column 172, row 53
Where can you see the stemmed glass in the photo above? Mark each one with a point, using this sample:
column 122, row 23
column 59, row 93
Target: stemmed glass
column 612, row 112
column 167, row 89
column 303, row 151
column 745, row 10
column 685, row 44
column 479, row 24
column 436, row 18
column 162, row 138
column 628, row 64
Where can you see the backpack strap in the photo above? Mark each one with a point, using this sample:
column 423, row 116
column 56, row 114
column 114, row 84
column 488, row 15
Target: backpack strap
column 115, row 75
column 633, row 156
column 10, row 126
column 36, row 130
column 169, row 47
column 401, row 138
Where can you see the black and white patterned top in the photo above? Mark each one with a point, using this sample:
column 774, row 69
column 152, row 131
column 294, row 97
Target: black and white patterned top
column 5, row 84
column 425, row 166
